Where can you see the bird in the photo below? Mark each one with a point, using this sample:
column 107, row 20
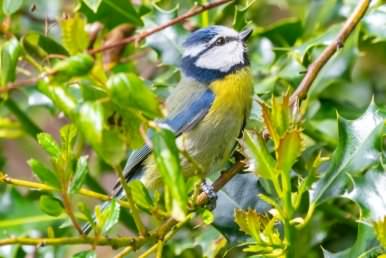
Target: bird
column 207, row 110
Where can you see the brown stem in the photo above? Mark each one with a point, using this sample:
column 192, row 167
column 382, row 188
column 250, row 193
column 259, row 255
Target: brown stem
column 70, row 213
column 136, row 38
column 314, row 69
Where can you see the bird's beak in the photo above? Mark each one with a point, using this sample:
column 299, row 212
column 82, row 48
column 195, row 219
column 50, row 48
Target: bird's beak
column 244, row 35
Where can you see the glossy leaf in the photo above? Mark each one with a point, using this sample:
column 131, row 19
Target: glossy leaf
column 109, row 216
column 123, row 11
column 261, row 161
column 11, row 6
column 168, row 163
column 40, row 46
column 113, row 148
column 359, row 148
column 124, row 90
column 140, row 194
column 93, row 4
column 74, row 66
column 43, row 173
column 51, row 205
column 49, row 144
column 10, row 53
column 369, row 192
column 91, row 121
column 79, row 177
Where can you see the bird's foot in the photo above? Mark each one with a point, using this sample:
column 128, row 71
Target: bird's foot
column 210, row 193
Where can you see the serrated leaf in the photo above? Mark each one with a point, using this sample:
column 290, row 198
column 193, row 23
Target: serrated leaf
column 10, row 52
column 11, row 6
column 91, row 121
column 85, row 254
column 251, row 222
column 261, row 161
column 124, row 90
column 93, row 4
column 49, row 144
column 80, row 174
column 370, row 193
column 51, row 205
column 74, row 36
column 140, row 194
column 289, row 150
column 167, row 159
column 44, row 174
column 359, row 148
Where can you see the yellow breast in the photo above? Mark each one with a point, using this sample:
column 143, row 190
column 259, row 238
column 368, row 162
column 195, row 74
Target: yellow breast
column 233, row 93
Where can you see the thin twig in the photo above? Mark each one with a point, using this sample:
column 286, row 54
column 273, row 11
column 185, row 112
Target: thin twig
column 314, row 69
column 43, row 187
column 116, row 242
column 136, row 38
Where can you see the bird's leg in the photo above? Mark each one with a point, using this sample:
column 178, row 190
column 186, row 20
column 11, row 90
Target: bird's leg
column 211, row 193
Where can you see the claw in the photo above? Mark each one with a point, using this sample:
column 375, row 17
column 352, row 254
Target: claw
column 211, row 193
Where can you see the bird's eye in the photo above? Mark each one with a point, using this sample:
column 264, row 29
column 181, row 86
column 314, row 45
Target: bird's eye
column 220, row 41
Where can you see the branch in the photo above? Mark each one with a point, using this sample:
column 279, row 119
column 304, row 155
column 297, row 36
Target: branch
column 135, row 38
column 43, row 187
column 114, row 242
column 314, row 69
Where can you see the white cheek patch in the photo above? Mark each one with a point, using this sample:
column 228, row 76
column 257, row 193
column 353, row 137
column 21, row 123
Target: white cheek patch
column 222, row 58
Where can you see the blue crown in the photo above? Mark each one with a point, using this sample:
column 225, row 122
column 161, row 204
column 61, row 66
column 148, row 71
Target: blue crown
column 201, row 36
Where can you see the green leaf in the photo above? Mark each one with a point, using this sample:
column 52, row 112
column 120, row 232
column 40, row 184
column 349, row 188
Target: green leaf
column 11, row 6
column 359, row 148
column 40, row 46
column 261, row 161
column 289, row 150
column 373, row 23
column 168, row 163
column 123, row 11
column 51, row 205
column 251, row 222
column 74, row 35
column 49, row 144
column 108, row 217
column 44, row 174
column 113, row 148
column 80, row 174
column 10, row 52
column 369, row 193
column 124, row 90
column 85, row 254
column 283, row 33
column 93, row 4
column 91, row 121
column 74, row 66
column 140, row 194
column 364, row 242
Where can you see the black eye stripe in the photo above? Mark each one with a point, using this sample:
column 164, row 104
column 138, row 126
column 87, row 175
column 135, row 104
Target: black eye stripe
column 227, row 40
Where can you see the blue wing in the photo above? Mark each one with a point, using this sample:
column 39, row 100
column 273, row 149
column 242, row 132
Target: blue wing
column 192, row 113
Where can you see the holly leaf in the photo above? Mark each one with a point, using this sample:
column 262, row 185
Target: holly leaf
column 359, row 148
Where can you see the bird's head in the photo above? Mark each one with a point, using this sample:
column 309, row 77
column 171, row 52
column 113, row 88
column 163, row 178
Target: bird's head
column 213, row 52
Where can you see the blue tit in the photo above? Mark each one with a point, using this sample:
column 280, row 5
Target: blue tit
column 208, row 108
